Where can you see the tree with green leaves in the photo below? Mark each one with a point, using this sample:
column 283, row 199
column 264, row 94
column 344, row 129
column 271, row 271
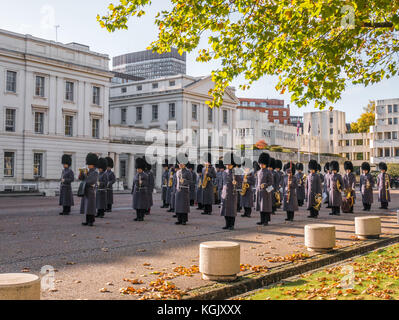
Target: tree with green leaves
column 366, row 119
column 316, row 47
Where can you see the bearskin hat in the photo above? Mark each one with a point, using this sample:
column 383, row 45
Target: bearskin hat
column 165, row 164
column 326, row 167
column 102, row 164
column 66, row 159
column 220, row 165
column 255, row 166
column 382, row 166
column 313, row 165
column 140, row 164
column 279, row 164
column 110, row 162
column 272, row 163
column 299, row 166
column 182, row 158
column 287, row 166
column 199, row 168
column 207, row 157
column 348, row 165
column 91, row 159
column 334, row 165
column 264, row 158
column 319, row 167
column 366, row 166
column 190, row 166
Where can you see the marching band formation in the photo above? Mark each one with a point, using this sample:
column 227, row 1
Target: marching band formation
column 264, row 185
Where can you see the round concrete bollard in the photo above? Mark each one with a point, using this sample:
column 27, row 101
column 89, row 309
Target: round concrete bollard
column 368, row 227
column 319, row 237
column 19, row 286
column 219, row 260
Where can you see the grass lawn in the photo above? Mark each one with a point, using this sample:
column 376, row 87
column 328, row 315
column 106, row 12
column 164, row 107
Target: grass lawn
column 374, row 276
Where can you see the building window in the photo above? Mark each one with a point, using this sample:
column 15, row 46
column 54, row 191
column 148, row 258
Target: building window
column 69, row 91
column 359, row 142
column 123, row 115
column 394, row 135
column 276, row 121
column 123, row 90
column 331, row 120
column 275, row 113
column 172, row 111
column 38, row 165
column 96, row 96
column 39, row 122
column 387, row 152
column 395, row 108
column 122, row 170
column 95, row 128
column 331, row 131
column 263, row 104
column 210, row 114
column 389, row 120
column 252, row 104
column 172, row 83
column 359, row 156
column 225, row 118
column 245, row 103
column 39, row 86
column 69, row 126
column 284, row 113
column 155, row 85
column 9, row 160
column 10, row 120
column 285, row 121
column 396, row 152
column 139, row 88
column 155, row 112
column 389, row 109
column 139, row 114
column 11, row 85
column 209, row 142
column 194, row 111
column 194, row 141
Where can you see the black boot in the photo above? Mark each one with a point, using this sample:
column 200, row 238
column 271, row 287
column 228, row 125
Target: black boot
column 262, row 219
column 227, row 223
column 267, row 219
column 232, row 222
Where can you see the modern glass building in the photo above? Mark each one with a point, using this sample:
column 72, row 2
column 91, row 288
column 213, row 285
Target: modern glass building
column 151, row 65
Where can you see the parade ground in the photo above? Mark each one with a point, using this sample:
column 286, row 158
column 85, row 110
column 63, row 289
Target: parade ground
column 103, row 261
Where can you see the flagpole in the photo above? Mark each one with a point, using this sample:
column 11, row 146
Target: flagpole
column 298, row 127
column 318, row 155
column 310, row 136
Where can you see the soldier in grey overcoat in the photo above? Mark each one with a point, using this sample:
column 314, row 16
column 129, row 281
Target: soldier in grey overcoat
column 198, row 195
column 208, row 198
column 165, row 177
column 101, row 194
column 335, row 184
column 193, row 183
column 231, row 179
column 182, row 196
column 300, row 177
column 366, row 186
column 256, row 168
column 313, row 190
column 239, row 171
column 88, row 203
column 173, row 191
column 264, row 199
column 290, row 187
column 139, row 190
column 111, row 181
column 349, row 183
column 247, row 189
column 169, row 190
column 271, row 166
column 383, row 185
column 67, row 177
column 326, row 191
column 280, row 176
column 219, row 179
column 151, row 186
column 318, row 171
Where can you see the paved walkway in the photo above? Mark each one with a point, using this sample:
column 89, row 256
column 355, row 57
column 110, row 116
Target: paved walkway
column 33, row 235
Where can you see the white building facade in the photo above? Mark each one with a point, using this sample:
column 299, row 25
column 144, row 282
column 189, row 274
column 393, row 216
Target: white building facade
column 384, row 135
column 53, row 100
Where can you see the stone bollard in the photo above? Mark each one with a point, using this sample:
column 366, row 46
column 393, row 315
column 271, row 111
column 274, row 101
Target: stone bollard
column 319, row 237
column 19, row 286
column 219, row 260
column 368, row 227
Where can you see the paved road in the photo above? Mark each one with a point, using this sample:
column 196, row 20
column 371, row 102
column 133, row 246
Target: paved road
column 33, row 235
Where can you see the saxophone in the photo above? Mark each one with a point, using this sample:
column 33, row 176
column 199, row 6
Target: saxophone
column 318, row 199
column 339, row 186
column 206, row 179
column 245, row 185
column 170, row 184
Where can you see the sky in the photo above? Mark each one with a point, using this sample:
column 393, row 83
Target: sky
column 77, row 23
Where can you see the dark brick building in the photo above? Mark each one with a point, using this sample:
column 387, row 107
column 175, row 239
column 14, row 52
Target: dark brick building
column 276, row 110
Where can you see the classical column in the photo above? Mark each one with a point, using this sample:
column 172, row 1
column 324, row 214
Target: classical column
column 158, row 176
column 116, row 165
